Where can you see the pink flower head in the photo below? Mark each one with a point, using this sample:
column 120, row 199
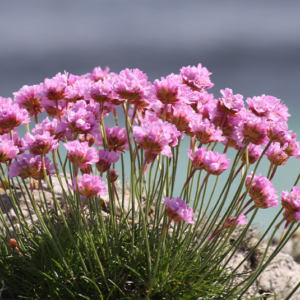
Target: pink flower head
column 215, row 163
column 156, row 136
column 39, row 144
column 89, row 186
column 8, row 150
column 197, row 78
column 229, row 223
column 205, row 131
column 54, row 88
column 81, row 153
column 54, row 109
column 291, row 202
column 254, row 152
column 262, row 191
column 255, row 128
column 170, row 90
column 101, row 92
column 116, row 139
column 178, row 211
column 74, row 78
column 26, row 99
column 197, row 158
column 76, row 91
column 278, row 132
column 276, row 154
column 205, row 104
column 26, row 166
column 98, row 74
column 179, row 114
column 5, row 101
column 239, row 221
column 269, row 107
column 230, row 104
column 81, row 119
column 85, row 169
column 292, row 147
column 106, row 158
column 50, row 170
column 54, row 127
column 87, row 138
column 133, row 85
column 11, row 115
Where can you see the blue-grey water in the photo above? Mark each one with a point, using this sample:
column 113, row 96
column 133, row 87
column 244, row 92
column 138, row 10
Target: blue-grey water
column 250, row 46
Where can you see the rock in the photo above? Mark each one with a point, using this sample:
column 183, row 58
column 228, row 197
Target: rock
column 280, row 276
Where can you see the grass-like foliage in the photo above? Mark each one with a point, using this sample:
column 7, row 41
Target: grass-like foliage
column 70, row 230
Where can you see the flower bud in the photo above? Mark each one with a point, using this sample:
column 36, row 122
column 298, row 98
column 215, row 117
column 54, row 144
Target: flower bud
column 13, row 244
column 113, row 175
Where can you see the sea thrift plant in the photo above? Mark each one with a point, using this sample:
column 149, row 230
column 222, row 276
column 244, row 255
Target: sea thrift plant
column 99, row 201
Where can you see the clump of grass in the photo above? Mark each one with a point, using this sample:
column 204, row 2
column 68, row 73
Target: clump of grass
column 145, row 241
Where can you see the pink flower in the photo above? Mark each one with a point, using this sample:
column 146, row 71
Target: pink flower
column 85, row 169
column 8, row 150
column 40, row 143
column 215, row 163
column 76, row 91
column 197, row 78
column 87, row 138
column 11, row 115
column 229, row 223
column 197, row 158
column 54, row 88
column 178, row 211
column 26, row 166
column 98, row 74
column 254, row 152
column 89, row 186
column 106, row 158
column 239, row 221
column 292, row 147
column 15, row 139
column 50, row 170
column 179, row 114
column 81, row 119
column 170, row 90
column 54, row 109
column 291, row 202
column 116, row 139
column 133, row 85
column 26, row 99
column 101, row 91
column 54, row 127
column 205, row 131
column 156, row 136
column 206, row 104
column 255, row 128
column 230, row 104
column 81, row 153
column 278, row 132
column 276, row 154
column 269, row 107
column 262, row 191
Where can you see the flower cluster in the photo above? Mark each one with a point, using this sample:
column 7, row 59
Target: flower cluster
column 158, row 116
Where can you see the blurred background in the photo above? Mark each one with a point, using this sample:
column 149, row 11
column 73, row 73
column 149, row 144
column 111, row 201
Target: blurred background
column 251, row 47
